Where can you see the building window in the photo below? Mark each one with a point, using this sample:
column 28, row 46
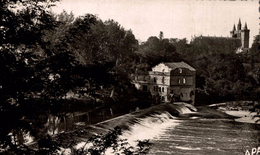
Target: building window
column 159, row 89
column 163, row 80
column 184, row 80
column 154, row 80
column 171, row 91
column 179, row 80
column 180, row 70
column 162, row 89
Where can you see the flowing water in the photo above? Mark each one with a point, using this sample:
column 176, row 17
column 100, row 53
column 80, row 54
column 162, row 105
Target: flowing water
column 188, row 135
column 194, row 136
column 206, row 136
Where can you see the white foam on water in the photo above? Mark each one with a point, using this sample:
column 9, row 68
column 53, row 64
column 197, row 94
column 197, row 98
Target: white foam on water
column 187, row 148
column 194, row 117
column 161, row 152
column 151, row 127
column 185, row 108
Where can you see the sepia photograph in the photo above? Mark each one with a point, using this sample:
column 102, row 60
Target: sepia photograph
column 130, row 77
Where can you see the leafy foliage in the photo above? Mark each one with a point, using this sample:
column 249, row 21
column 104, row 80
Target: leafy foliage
column 103, row 142
column 154, row 51
column 22, row 25
column 44, row 56
column 220, row 71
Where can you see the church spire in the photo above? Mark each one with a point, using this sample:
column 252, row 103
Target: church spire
column 234, row 28
column 245, row 26
column 239, row 25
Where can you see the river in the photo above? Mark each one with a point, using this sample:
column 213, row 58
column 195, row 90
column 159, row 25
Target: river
column 175, row 129
column 206, row 136
column 195, row 135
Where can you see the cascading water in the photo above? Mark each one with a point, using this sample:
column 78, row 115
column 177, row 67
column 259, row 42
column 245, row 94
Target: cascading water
column 148, row 124
column 209, row 133
column 149, row 127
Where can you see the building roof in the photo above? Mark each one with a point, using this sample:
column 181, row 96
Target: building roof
column 174, row 65
column 245, row 26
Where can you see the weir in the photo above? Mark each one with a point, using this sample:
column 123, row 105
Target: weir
column 156, row 119
column 162, row 121
column 134, row 117
column 144, row 124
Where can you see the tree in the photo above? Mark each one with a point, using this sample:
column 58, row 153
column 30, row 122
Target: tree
column 43, row 57
column 220, row 72
column 35, row 75
column 161, row 35
column 255, row 51
column 105, row 44
column 102, row 142
column 156, row 50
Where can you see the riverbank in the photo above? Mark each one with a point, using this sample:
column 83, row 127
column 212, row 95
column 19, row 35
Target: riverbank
column 244, row 116
column 240, row 110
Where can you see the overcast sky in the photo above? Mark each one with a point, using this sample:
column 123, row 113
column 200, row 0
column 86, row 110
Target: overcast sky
column 176, row 18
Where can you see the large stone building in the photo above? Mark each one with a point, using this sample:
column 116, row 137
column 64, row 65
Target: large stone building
column 239, row 38
column 169, row 82
column 242, row 34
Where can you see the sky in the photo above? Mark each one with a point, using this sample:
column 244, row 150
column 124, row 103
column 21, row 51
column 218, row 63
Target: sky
column 175, row 18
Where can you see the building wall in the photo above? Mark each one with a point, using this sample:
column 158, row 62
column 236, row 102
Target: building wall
column 186, row 94
column 160, row 79
column 179, row 82
column 182, row 80
column 181, row 71
column 245, row 38
column 161, row 68
column 183, row 84
column 243, row 35
column 183, row 77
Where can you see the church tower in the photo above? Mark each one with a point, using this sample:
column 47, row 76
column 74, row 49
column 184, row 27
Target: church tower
column 242, row 34
column 245, row 37
column 239, row 25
